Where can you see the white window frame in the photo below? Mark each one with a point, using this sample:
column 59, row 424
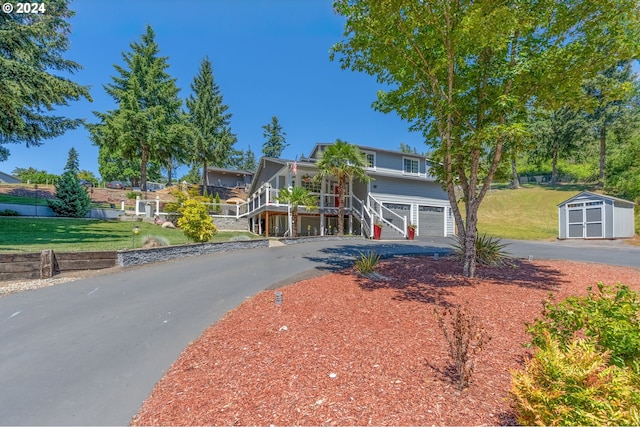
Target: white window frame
column 373, row 162
column 413, row 160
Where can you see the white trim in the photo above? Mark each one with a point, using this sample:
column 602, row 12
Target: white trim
column 412, row 159
column 373, row 153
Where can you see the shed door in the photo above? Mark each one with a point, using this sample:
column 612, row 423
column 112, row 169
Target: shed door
column 585, row 220
column 431, row 221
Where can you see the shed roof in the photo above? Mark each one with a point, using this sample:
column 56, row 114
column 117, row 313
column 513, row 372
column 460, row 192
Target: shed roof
column 589, row 194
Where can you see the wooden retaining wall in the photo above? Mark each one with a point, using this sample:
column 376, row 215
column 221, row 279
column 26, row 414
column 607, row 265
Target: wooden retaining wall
column 48, row 263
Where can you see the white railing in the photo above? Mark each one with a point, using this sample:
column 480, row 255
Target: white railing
column 381, row 210
column 364, row 215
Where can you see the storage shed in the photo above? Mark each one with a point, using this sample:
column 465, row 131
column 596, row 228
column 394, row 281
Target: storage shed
column 595, row 216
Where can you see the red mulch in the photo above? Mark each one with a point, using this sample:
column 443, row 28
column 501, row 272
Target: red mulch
column 345, row 350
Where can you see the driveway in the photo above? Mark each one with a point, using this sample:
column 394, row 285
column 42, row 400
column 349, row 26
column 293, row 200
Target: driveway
column 89, row 352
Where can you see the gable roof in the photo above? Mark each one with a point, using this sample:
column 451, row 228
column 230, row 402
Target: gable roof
column 589, row 194
column 317, row 148
column 8, row 179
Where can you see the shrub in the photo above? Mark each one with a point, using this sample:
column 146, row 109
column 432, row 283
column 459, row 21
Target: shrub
column 465, row 337
column 489, row 251
column 131, row 195
column 196, row 222
column 574, row 385
column 9, row 212
column 611, row 316
column 72, row 198
column 367, row 262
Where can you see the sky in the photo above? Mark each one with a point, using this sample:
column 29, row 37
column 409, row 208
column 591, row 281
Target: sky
column 270, row 58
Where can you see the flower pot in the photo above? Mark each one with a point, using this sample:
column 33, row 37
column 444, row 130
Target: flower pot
column 411, row 233
column 377, row 231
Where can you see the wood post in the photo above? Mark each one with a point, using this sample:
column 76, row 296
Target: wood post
column 47, row 264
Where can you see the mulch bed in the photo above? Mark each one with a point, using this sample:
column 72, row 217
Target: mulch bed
column 342, row 349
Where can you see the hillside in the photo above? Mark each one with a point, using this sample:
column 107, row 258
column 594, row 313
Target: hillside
column 530, row 212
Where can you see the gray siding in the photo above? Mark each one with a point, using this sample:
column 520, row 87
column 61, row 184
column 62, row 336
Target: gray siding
column 562, row 222
column 406, row 187
column 608, row 219
column 623, row 221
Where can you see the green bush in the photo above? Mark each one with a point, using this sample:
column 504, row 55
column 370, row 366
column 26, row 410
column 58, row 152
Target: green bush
column 611, row 316
column 131, row 195
column 195, row 221
column 9, row 212
column 574, row 384
column 489, row 251
column 367, row 262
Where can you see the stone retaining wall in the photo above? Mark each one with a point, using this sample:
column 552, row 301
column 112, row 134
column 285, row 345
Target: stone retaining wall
column 144, row 256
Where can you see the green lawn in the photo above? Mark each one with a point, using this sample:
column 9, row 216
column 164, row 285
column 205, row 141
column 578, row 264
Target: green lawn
column 528, row 213
column 61, row 234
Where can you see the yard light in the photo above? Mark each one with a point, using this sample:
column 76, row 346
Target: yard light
column 136, row 231
column 278, row 298
column 436, row 256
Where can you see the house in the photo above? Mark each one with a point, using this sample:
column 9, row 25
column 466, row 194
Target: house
column 228, row 178
column 402, row 192
column 5, row 178
column 595, row 216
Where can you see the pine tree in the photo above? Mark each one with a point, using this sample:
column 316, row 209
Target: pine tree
column 210, row 133
column 249, row 163
column 276, row 142
column 31, row 48
column 147, row 125
column 72, row 198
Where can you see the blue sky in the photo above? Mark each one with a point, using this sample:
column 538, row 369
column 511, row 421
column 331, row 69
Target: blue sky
column 270, row 57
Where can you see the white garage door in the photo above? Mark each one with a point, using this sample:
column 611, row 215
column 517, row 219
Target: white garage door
column 430, row 221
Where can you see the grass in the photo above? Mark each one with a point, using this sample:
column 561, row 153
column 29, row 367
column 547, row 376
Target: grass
column 61, row 234
column 529, row 213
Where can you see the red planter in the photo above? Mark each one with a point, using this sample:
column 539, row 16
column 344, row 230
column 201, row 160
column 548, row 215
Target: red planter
column 411, row 233
column 377, row 231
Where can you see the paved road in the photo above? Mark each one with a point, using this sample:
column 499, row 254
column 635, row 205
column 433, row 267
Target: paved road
column 89, row 352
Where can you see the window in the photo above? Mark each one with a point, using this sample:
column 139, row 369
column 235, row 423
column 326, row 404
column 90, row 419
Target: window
column 370, row 159
column 310, row 184
column 411, row 166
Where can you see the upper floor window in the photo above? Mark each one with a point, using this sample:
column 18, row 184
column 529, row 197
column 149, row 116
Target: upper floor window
column 370, row 159
column 411, row 166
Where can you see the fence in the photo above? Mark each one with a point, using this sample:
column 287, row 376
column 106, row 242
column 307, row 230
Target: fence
column 47, row 263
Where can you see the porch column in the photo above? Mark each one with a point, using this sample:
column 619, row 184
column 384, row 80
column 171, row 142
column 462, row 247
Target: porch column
column 266, row 224
column 350, row 206
column 322, row 197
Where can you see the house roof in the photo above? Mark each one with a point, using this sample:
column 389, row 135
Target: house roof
column 316, row 148
column 9, row 179
column 229, row 171
column 589, row 194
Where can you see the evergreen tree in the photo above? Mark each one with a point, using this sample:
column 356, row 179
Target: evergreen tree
column 147, row 123
column 249, row 160
column 72, row 199
column 31, row 49
column 275, row 143
column 73, row 164
column 611, row 99
column 210, row 135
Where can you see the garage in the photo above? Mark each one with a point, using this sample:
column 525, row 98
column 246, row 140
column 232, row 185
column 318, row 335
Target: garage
column 430, row 220
column 595, row 216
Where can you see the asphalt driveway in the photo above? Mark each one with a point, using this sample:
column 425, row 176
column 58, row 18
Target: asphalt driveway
column 89, row 352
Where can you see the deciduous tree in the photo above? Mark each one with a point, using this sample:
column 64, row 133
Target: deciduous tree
column 458, row 70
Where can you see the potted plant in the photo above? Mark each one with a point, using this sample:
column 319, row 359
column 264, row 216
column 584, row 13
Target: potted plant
column 377, row 230
column 411, row 231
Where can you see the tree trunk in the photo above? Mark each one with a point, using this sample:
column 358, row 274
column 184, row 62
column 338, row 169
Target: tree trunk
column 143, row 168
column 341, row 200
column 294, row 222
column 204, row 177
column 514, row 173
column 470, row 233
column 603, row 154
column 554, row 167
